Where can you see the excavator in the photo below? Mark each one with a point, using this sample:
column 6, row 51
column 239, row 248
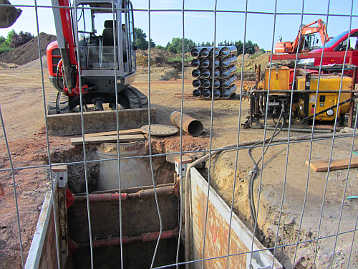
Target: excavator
column 305, row 40
column 93, row 56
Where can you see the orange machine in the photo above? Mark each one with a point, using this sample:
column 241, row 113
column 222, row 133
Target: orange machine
column 304, row 40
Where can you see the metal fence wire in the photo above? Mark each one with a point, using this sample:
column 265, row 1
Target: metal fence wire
column 302, row 218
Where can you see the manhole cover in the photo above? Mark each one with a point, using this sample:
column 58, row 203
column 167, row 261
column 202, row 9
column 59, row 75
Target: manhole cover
column 160, row 129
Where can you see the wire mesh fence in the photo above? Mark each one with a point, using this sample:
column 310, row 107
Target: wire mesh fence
column 263, row 202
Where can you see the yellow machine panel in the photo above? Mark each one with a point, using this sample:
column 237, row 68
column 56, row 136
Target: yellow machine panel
column 280, row 79
column 324, row 99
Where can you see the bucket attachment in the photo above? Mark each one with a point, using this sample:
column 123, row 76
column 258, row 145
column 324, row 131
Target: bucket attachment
column 8, row 14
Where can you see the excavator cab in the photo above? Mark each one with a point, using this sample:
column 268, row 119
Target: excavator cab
column 105, row 37
column 94, row 54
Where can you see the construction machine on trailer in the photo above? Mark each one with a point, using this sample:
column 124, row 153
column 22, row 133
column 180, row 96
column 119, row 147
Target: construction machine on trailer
column 313, row 78
column 93, row 59
column 340, row 49
column 306, row 39
column 303, row 94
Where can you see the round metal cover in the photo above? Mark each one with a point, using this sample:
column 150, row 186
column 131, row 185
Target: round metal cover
column 160, row 129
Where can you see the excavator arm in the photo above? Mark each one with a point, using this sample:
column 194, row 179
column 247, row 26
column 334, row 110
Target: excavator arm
column 298, row 43
column 65, row 41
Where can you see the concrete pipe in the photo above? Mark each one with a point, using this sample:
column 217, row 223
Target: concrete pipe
column 191, row 126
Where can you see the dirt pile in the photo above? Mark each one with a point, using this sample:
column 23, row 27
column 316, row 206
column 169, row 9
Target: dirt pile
column 159, row 57
column 27, row 52
column 250, row 61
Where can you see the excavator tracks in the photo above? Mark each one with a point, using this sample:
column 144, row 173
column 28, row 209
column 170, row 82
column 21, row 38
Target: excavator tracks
column 128, row 98
column 131, row 97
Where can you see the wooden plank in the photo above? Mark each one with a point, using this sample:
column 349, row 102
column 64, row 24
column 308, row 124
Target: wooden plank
column 121, row 132
column 107, row 139
column 322, row 166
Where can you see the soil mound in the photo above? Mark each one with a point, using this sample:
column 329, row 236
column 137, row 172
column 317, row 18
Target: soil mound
column 27, row 52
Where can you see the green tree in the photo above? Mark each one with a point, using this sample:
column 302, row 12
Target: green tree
column 175, row 46
column 206, row 44
column 10, row 36
column 239, row 46
column 160, row 47
column 20, row 39
column 140, row 40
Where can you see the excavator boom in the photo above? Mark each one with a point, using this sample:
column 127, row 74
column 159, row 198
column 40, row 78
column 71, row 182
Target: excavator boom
column 301, row 42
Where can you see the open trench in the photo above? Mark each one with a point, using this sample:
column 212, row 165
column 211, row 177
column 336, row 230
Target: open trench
column 130, row 217
column 140, row 220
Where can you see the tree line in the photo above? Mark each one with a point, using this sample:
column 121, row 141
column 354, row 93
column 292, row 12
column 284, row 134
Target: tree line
column 14, row 40
column 175, row 45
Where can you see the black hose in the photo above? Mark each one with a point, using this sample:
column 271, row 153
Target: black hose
column 255, row 169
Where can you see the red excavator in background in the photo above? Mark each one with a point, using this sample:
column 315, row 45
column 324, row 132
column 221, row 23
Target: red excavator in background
column 93, row 53
column 306, row 39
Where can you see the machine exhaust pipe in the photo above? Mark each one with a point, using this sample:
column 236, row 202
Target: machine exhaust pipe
column 8, row 14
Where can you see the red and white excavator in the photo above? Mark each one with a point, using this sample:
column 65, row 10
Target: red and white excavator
column 94, row 54
column 306, row 39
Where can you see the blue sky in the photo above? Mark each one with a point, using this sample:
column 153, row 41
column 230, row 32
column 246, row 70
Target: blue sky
column 199, row 26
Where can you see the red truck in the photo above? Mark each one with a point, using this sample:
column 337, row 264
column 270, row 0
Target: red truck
column 333, row 51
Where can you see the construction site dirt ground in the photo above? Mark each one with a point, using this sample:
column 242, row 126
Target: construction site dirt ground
column 22, row 109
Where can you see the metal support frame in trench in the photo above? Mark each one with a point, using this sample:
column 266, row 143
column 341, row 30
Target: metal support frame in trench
column 42, row 253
